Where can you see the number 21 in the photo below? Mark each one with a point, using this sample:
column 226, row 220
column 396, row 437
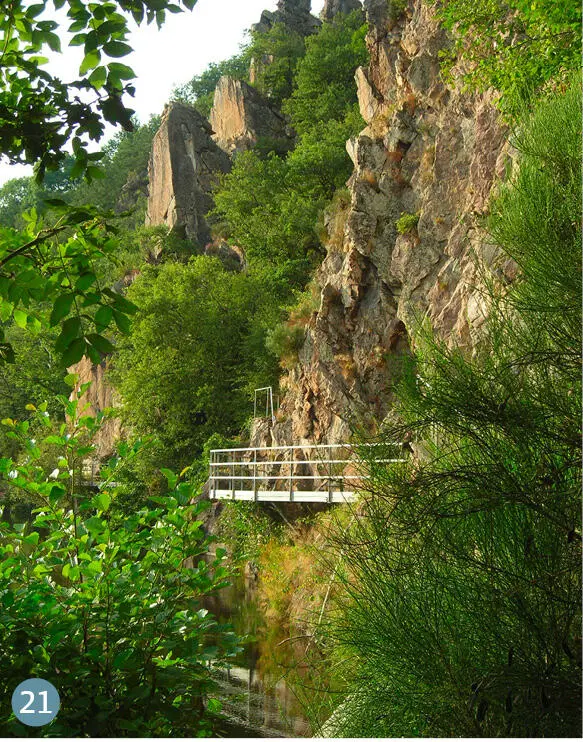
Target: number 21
column 26, row 710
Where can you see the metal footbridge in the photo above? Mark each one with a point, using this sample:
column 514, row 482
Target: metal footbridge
column 332, row 473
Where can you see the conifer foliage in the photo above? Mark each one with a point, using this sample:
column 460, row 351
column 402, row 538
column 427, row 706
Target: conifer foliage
column 463, row 580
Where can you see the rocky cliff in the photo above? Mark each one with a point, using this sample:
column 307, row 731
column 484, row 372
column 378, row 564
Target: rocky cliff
column 184, row 165
column 99, row 397
column 333, row 7
column 295, row 14
column 241, row 116
column 403, row 248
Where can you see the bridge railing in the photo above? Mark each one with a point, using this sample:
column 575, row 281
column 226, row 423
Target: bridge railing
column 312, row 473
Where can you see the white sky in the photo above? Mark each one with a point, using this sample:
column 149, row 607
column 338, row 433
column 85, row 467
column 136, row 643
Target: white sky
column 187, row 43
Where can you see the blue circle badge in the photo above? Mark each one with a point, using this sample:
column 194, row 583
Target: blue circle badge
column 35, row 702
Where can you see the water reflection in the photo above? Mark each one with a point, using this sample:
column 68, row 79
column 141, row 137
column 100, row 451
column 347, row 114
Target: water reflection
column 255, row 698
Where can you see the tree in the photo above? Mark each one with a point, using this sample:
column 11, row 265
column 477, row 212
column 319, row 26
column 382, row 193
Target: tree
column 195, row 350
column 463, row 584
column 324, row 88
column 275, row 54
column 518, row 47
column 39, row 115
column 106, row 605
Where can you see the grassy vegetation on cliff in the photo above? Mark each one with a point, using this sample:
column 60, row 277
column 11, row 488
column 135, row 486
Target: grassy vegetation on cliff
column 520, row 48
column 462, row 605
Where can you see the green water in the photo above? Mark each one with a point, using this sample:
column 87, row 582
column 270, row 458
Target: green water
column 255, row 697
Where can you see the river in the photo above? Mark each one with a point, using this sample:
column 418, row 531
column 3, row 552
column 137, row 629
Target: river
column 256, row 700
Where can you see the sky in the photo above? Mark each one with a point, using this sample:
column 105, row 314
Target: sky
column 187, row 43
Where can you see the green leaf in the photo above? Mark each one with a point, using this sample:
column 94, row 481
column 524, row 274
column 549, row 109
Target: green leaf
column 121, row 71
column 122, row 321
column 122, row 657
column 94, row 567
column 85, row 281
column 94, row 355
column 52, row 40
column 171, row 478
column 95, row 173
column 6, row 308
column 103, row 317
column 102, row 344
column 20, row 318
column 32, row 538
column 121, row 303
column 116, row 49
column 61, row 308
column 90, row 61
column 102, row 501
column 70, row 330
column 74, row 352
column 71, row 380
column 35, row 10
column 98, row 77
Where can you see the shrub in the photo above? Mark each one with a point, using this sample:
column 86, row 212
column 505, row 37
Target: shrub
column 462, row 610
column 407, row 223
column 285, row 341
column 519, row 48
column 107, row 606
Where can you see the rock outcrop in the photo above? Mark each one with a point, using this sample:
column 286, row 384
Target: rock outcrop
column 241, row 116
column 183, row 169
column 333, row 7
column 295, row 14
column 402, row 249
column 99, row 397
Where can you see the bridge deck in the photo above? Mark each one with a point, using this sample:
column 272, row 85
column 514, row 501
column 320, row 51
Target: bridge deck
column 332, row 473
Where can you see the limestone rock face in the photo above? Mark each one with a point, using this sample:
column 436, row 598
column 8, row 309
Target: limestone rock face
column 241, row 115
column 295, row 14
column 333, row 7
column 183, row 169
column 431, row 152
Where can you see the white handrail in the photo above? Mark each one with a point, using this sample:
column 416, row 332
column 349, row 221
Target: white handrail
column 247, row 478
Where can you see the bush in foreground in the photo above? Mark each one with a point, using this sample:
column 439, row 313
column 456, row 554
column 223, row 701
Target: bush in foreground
column 106, row 606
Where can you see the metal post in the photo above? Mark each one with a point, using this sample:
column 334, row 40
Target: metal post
column 291, row 475
column 233, row 476
column 330, row 475
column 255, row 475
column 212, row 477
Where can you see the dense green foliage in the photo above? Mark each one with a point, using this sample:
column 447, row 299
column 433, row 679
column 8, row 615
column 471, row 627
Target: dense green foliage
column 462, row 613
column 39, row 112
column 271, row 204
column 22, row 194
column 106, row 606
column 53, row 261
column 324, row 88
column 518, row 47
column 38, row 377
column 54, row 265
column 275, row 55
column 195, row 353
